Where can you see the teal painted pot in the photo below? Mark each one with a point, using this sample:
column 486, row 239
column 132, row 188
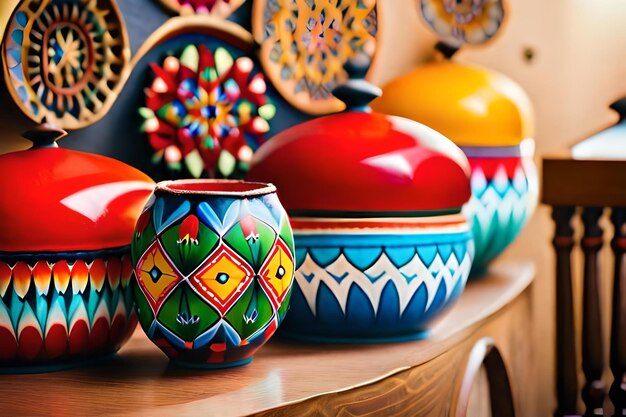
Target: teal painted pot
column 504, row 196
column 61, row 310
column 65, row 266
column 214, row 262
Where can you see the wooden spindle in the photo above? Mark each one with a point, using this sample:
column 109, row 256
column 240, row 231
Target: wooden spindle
column 566, row 375
column 618, row 316
column 592, row 343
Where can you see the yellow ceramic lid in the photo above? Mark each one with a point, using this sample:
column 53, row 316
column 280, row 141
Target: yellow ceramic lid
column 473, row 106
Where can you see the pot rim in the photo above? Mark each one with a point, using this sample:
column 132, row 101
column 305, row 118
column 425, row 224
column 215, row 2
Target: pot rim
column 215, row 188
column 64, row 255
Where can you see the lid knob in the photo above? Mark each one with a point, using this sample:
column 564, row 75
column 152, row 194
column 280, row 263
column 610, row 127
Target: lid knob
column 44, row 136
column 620, row 107
column 448, row 51
column 356, row 93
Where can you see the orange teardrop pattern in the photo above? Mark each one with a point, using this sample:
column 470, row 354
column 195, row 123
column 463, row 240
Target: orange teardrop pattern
column 21, row 278
column 80, row 276
column 97, row 273
column 114, row 270
column 41, row 276
column 61, row 273
column 5, row 278
column 127, row 270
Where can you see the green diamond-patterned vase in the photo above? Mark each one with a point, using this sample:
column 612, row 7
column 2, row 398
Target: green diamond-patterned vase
column 214, row 269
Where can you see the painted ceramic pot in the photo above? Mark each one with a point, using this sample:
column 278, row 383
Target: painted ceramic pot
column 214, row 261
column 65, row 255
column 490, row 117
column 505, row 190
column 375, row 200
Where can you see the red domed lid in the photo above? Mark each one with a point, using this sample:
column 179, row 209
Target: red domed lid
column 56, row 200
column 361, row 163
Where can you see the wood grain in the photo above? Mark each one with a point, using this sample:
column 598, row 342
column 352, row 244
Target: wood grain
column 140, row 382
column 435, row 387
column 421, row 391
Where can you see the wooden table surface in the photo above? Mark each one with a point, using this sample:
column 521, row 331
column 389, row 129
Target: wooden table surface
column 138, row 381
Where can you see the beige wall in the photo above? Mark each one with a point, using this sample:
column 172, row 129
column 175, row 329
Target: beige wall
column 579, row 64
column 5, row 11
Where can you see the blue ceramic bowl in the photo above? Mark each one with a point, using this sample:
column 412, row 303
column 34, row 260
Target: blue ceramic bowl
column 359, row 285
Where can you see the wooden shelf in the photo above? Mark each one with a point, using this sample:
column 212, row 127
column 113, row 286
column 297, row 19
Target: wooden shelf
column 138, row 381
column 583, row 182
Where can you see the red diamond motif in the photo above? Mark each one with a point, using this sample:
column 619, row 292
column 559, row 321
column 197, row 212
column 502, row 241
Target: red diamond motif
column 276, row 274
column 222, row 278
column 157, row 276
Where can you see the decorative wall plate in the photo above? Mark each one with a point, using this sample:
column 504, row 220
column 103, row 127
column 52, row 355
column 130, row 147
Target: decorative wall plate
column 463, row 22
column 305, row 44
column 217, row 8
column 65, row 60
column 206, row 104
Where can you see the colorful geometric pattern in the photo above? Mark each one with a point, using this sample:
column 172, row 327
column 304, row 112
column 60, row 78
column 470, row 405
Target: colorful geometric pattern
column 463, row 22
column 504, row 197
column 157, row 275
column 216, row 8
column 369, row 286
column 56, row 311
column 222, row 277
column 214, row 275
column 207, row 109
column 64, row 60
column 305, row 45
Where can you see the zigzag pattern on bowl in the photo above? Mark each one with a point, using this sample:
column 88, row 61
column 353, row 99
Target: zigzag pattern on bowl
column 376, row 290
column 53, row 310
column 499, row 209
column 341, row 274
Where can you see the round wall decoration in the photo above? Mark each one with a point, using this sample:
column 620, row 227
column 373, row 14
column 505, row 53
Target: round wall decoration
column 65, row 61
column 460, row 22
column 206, row 102
column 305, row 46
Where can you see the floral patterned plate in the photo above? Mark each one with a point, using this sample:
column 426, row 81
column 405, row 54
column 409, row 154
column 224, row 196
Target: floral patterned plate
column 206, row 104
column 66, row 60
column 305, row 46
column 459, row 22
